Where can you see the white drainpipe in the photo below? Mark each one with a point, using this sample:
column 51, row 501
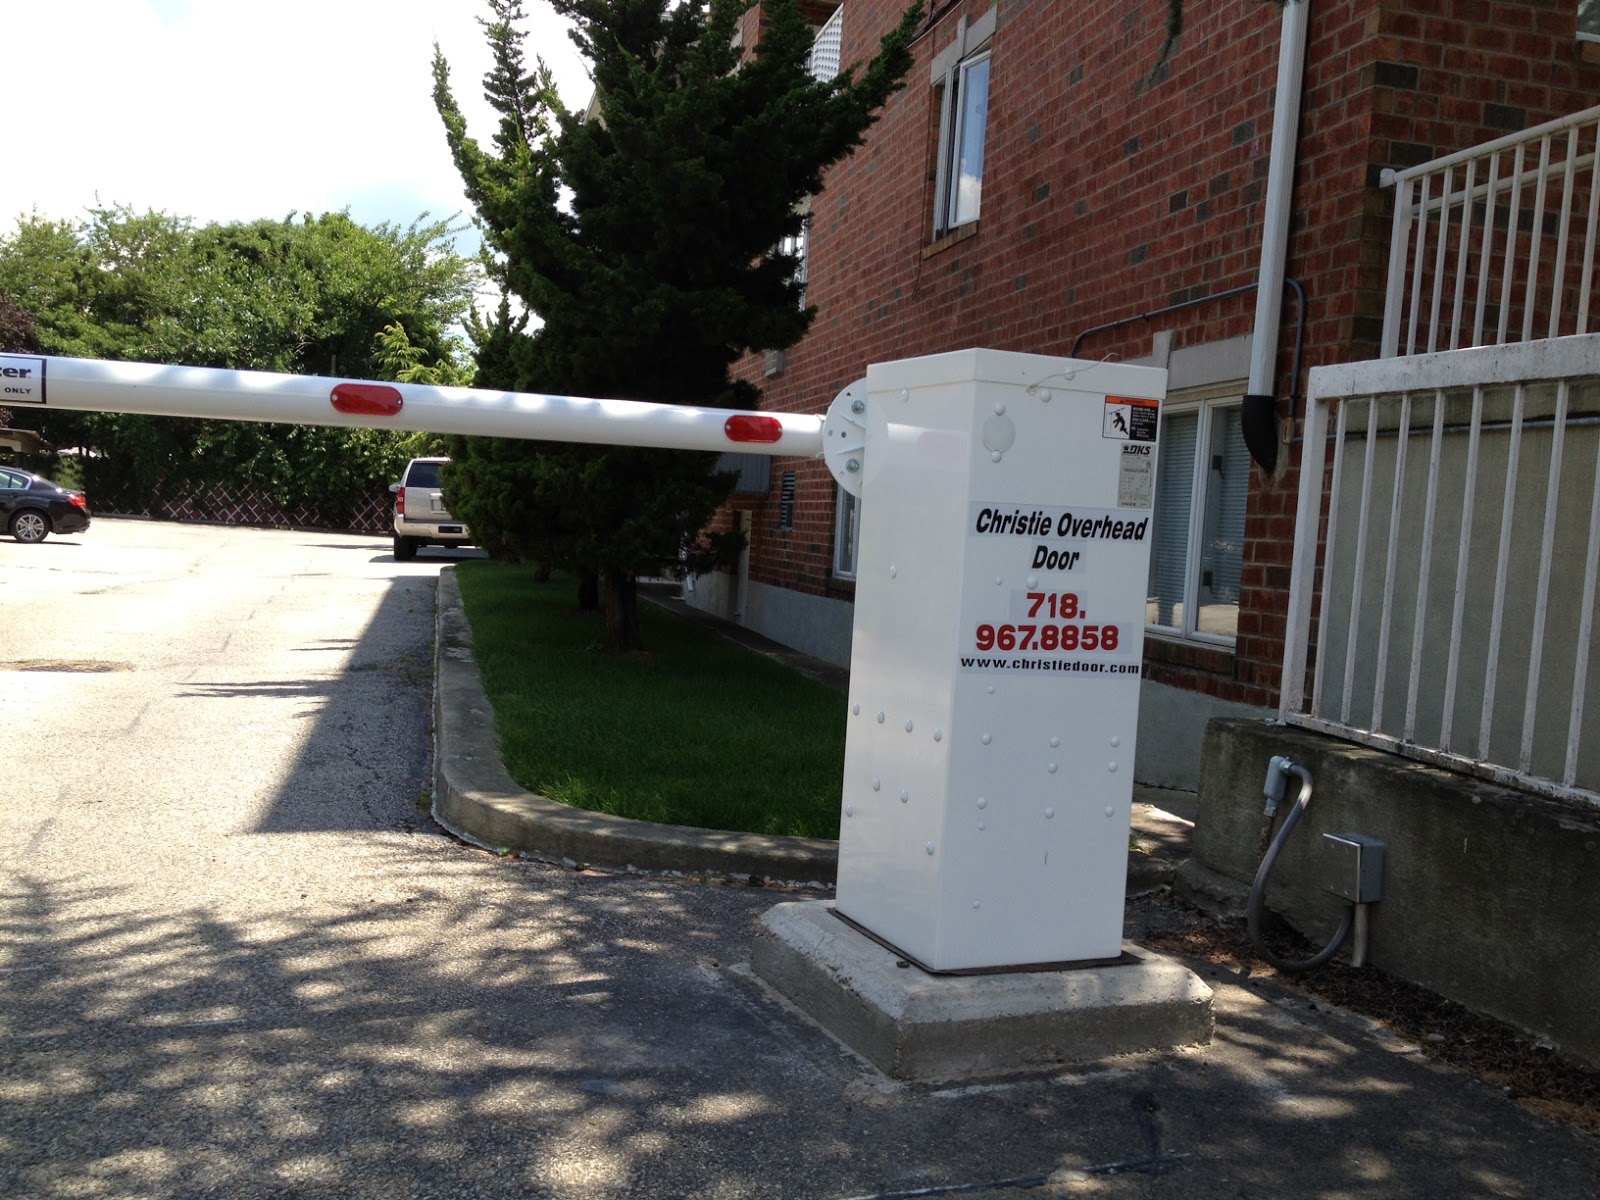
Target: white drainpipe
column 1275, row 227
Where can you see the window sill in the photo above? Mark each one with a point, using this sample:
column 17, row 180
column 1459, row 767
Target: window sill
column 954, row 238
column 1184, row 652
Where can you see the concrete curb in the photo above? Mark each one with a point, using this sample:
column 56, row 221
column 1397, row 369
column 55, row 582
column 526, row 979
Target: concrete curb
column 475, row 798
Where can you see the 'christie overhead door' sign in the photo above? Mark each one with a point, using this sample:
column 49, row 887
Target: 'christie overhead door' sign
column 1054, row 529
column 1048, row 625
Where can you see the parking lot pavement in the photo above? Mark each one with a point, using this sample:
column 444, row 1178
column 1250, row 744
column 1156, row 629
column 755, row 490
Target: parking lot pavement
column 238, row 961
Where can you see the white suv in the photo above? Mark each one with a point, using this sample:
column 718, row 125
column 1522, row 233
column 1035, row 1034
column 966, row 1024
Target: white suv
column 420, row 517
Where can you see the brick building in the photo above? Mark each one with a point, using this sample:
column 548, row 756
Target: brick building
column 1046, row 183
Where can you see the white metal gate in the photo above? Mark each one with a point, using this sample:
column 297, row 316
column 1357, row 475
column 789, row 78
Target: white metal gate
column 1444, row 584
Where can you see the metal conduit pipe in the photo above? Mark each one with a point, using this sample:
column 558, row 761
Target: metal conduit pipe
column 1278, row 771
column 1294, row 285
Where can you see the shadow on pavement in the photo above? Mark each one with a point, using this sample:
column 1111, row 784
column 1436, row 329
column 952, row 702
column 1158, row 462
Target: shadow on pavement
column 368, row 725
column 454, row 1025
column 429, row 1020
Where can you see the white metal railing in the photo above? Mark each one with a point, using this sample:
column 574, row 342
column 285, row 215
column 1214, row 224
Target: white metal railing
column 1442, row 603
column 825, row 49
column 1495, row 244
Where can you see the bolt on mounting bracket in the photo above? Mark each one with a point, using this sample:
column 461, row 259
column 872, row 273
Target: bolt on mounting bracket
column 844, row 437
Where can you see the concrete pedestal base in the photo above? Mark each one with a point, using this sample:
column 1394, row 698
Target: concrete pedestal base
column 918, row 1026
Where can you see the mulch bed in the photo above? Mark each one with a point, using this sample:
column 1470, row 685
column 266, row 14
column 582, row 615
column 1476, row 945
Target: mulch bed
column 1535, row 1076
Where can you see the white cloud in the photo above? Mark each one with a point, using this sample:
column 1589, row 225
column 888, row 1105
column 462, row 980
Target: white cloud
column 225, row 110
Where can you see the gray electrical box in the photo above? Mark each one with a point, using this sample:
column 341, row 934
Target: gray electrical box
column 1352, row 866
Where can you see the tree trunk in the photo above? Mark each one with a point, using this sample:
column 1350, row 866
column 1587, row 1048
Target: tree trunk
column 541, row 573
column 622, row 612
column 588, row 589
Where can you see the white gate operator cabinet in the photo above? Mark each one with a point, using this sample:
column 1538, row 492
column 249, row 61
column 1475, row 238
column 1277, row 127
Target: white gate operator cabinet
column 999, row 627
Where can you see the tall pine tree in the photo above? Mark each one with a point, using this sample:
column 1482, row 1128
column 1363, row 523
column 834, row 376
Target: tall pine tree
column 644, row 238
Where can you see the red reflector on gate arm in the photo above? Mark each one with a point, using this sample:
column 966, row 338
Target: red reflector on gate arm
column 367, row 399
column 753, row 429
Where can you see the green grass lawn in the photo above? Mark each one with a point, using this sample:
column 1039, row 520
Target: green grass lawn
column 695, row 731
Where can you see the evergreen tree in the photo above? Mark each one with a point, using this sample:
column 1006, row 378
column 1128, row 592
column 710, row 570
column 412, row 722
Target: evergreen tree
column 644, row 238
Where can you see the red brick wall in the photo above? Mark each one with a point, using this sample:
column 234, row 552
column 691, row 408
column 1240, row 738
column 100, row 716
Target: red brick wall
column 1108, row 193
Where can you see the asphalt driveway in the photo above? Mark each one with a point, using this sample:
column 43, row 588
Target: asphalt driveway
column 238, row 960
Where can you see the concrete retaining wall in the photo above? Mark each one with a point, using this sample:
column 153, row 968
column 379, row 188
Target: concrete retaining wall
column 1172, row 730
column 1491, row 896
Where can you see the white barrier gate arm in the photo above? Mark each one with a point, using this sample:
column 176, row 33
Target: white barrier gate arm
column 999, row 612
column 164, row 391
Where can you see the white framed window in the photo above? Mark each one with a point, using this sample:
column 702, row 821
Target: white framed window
column 1589, row 20
column 799, row 246
column 1197, row 546
column 961, row 76
column 965, row 122
column 846, row 535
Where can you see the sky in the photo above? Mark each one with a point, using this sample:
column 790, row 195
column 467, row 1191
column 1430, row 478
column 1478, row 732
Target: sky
column 231, row 110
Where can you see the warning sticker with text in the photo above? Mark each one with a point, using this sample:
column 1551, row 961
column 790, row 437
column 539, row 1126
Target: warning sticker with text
column 1130, row 420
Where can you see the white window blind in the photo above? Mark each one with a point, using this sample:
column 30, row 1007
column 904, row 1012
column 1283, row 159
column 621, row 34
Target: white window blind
column 1227, row 493
column 1169, row 547
column 1197, row 547
column 846, row 535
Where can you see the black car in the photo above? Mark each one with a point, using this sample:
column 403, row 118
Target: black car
column 32, row 508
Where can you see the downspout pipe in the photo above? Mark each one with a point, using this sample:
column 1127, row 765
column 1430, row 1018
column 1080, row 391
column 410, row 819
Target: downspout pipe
column 1259, row 417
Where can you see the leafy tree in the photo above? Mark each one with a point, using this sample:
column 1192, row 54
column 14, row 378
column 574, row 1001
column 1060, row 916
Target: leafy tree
column 19, row 333
column 644, row 240
column 317, row 295
column 322, row 289
column 60, row 271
